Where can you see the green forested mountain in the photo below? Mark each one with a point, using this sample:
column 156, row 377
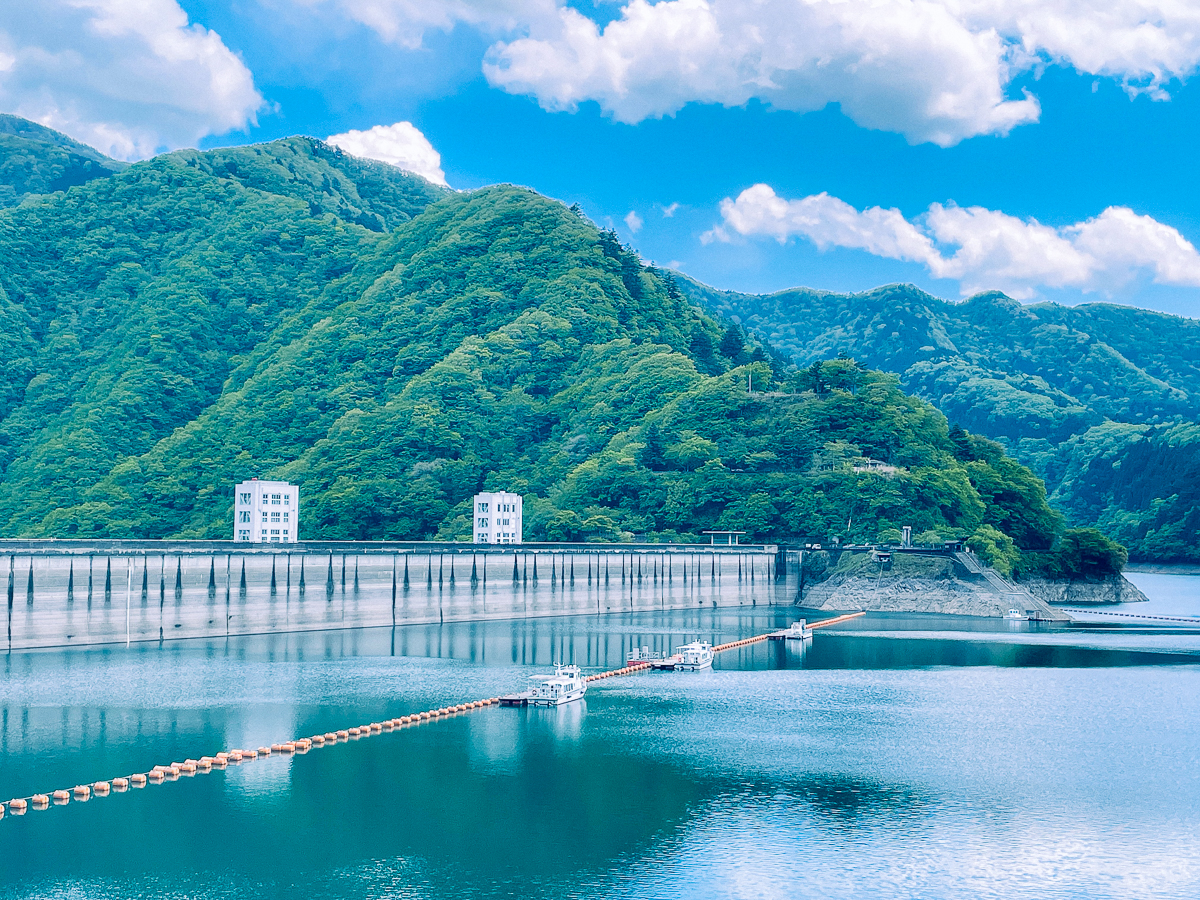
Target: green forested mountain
column 287, row 311
column 1100, row 400
column 38, row 160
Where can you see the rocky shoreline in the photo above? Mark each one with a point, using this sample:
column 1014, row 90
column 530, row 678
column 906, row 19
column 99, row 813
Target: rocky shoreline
column 941, row 585
column 1075, row 592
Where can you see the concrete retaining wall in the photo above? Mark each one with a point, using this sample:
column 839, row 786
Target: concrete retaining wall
column 66, row 593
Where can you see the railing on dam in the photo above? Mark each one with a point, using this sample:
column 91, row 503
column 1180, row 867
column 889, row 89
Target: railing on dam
column 87, row 592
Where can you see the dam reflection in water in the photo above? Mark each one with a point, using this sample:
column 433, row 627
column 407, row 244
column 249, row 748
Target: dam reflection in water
column 884, row 760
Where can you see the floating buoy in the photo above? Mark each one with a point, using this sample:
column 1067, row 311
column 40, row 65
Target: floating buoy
column 343, row 735
column 82, row 792
column 331, row 736
column 353, row 731
column 120, row 784
column 61, row 796
column 318, row 739
column 39, row 801
column 375, row 726
column 423, row 716
column 156, row 776
column 101, row 788
column 17, row 806
column 288, row 747
column 137, row 780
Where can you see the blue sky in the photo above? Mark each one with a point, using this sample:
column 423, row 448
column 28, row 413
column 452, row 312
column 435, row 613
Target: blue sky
column 1047, row 148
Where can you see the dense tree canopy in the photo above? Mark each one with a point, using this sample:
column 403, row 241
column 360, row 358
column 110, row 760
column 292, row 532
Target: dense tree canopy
column 288, row 311
column 1097, row 399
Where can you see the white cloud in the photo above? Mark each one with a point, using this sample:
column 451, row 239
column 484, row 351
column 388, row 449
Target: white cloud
column 405, row 22
column 401, row 145
column 933, row 70
column 633, row 221
column 129, row 77
column 669, row 211
column 980, row 248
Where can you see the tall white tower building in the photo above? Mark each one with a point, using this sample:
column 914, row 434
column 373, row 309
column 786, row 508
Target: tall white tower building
column 266, row 512
column 497, row 518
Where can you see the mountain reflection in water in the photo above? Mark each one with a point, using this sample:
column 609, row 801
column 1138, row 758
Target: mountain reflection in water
column 903, row 757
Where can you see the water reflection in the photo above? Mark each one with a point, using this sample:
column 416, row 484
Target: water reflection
column 895, row 745
column 845, row 799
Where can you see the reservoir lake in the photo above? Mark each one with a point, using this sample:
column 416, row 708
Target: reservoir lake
column 896, row 756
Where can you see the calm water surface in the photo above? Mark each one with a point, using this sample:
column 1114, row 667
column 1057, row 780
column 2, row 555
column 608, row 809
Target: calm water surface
column 902, row 756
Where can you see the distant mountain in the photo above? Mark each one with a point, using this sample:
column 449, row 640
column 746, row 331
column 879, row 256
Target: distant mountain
column 38, row 160
column 287, row 310
column 1100, row 400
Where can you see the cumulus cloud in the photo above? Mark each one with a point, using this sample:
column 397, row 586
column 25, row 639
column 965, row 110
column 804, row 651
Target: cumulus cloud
column 980, row 248
column 669, row 211
column 933, row 70
column 401, row 145
column 633, row 221
column 130, row 77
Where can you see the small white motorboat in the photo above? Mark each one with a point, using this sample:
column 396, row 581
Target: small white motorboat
column 694, row 656
column 1015, row 615
column 565, row 685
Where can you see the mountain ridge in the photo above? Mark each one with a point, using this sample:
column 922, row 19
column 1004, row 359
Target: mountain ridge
column 1074, row 392
column 286, row 310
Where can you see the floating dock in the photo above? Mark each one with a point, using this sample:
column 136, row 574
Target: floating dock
column 18, row 806
column 521, row 699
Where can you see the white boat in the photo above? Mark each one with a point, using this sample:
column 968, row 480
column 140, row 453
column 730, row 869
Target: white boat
column 799, row 631
column 565, row 685
column 693, row 656
column 1016, row 615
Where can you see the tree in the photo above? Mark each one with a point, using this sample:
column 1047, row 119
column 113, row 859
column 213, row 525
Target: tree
column 931, row 538
column 995, row 548
column 654, row 452
column 1086, row 553
column 961, row 441
column 703, row 351
column 732, row 345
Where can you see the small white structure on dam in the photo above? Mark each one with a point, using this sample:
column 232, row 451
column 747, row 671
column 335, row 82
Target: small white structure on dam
column 497, row 518
column 266, row 512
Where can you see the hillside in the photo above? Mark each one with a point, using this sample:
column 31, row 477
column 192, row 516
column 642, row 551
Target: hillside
column 38, row 160
column 1098, row 399
column 285, row 310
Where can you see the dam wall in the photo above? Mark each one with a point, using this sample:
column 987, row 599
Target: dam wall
column 63, row 593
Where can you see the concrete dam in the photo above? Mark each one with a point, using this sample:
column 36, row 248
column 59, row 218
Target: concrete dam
column 65, row 593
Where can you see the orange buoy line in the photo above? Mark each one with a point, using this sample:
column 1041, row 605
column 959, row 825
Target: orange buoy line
column 835, row 621
column 206, row 764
